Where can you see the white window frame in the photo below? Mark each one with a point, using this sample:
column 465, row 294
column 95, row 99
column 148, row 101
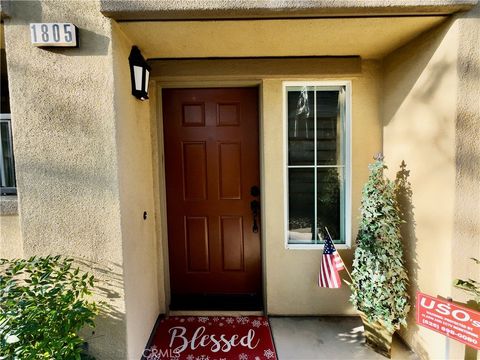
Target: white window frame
column 348, row 163
column 13, row 189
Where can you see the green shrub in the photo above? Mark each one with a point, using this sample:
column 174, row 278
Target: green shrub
column 379, row 286
column 43, row 304
column 470, row 286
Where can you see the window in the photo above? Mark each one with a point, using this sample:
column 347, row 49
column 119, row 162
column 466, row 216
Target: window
column 7, row 165
column 317, row 163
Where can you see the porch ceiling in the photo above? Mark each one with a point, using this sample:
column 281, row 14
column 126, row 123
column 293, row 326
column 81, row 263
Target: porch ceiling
column 368, row 37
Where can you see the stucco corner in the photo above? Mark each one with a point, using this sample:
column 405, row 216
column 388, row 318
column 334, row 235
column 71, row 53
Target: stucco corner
column 8, row 205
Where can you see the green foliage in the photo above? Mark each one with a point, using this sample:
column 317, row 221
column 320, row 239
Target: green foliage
column 471, row 286
column 43, row 304
column 379, row 287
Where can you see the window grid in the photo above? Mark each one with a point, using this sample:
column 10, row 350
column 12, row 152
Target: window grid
column 344, row 175
column 315, row 172
column 6, row 136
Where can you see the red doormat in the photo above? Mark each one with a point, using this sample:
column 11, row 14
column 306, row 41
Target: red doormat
column 212, row 338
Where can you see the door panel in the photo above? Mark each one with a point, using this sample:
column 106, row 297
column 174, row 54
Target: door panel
column 212, row 161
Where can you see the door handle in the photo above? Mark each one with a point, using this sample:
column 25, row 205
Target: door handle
column 255, row 207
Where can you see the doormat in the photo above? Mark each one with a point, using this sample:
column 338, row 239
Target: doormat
column 212, row 338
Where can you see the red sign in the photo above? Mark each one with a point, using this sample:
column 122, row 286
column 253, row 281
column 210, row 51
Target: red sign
column 453, row 321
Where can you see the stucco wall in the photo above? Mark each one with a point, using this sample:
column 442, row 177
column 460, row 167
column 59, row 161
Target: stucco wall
column 62, row 104
column 135, row 173
column 215, row 9
column 10, row 237
column 291, row 275
column 431, row 120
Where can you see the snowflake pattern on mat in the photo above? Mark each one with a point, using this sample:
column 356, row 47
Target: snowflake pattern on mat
column 242, row 320
column 232, row 322
column 269, row 354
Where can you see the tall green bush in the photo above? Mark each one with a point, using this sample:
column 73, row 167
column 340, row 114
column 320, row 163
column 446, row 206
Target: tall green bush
column 44, row 302
column 379, row 286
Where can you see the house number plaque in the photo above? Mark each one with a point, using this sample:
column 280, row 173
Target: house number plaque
column 53, row 34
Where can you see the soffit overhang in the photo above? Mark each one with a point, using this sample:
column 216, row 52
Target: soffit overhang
column 127, row 10
column 369, row 38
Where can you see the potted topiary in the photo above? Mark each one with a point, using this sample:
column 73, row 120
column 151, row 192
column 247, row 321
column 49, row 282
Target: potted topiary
column 379, row 278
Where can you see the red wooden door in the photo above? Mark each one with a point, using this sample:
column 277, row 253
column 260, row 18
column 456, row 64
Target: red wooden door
column 212, row 162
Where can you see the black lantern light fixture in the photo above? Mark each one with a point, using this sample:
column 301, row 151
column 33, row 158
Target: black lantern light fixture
column 139, row 73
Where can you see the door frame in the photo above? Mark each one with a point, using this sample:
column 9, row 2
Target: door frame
column 160, row 171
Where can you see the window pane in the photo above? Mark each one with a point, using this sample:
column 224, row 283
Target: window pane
column 317, row 135
column 301, row 194
column 300, row 126
column 329, row 128
column 4, row 97
column 329, row 202
column 7, row 171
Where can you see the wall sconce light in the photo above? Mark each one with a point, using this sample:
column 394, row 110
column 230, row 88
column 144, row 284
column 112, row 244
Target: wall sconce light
column 139, row 73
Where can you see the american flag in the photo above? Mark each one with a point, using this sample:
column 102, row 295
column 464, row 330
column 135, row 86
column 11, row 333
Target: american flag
column 331, row 264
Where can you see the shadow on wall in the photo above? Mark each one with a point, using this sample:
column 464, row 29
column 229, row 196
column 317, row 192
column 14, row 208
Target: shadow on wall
column 429, row 43
column 90, row 43
column 466, row 232
column 404, row 198
column 110, row 322
column 421, row 87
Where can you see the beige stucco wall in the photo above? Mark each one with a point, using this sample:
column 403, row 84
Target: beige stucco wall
column 218, row 9
column 291, row 275
column 10, row 234
column 431, row 120
column 134, row 151
column 64, row 128
column 10, row 237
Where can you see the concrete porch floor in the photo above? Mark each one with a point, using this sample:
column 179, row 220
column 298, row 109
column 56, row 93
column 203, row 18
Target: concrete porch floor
column 309, row 338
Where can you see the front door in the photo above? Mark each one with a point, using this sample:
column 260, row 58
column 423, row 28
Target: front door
column 212, row 180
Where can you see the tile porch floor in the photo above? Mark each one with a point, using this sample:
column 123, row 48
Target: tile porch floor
column 311, row 338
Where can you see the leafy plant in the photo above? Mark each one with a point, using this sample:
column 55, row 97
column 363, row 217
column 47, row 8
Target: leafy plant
column 471, row 286
column 43, row 304
column 379, row 286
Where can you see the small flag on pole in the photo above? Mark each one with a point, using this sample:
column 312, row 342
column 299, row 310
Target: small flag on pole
column 331, row 264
